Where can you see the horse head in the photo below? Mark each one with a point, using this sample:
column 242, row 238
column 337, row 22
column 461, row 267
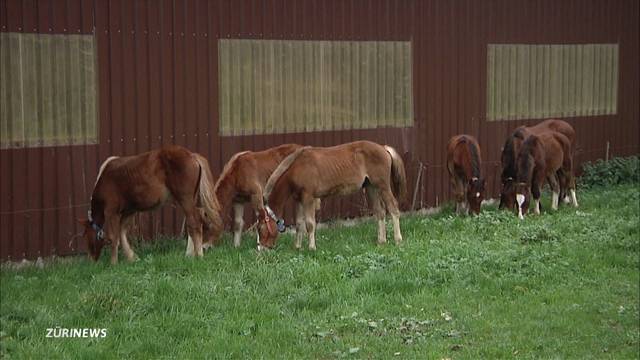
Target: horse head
column 475, row 194
column 94, row 237
column 268, row 228
column 507, row 194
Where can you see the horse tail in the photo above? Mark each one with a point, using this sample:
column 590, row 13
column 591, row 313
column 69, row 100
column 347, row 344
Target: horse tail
column 205, row 192
column 282, row 167
column 398, row 175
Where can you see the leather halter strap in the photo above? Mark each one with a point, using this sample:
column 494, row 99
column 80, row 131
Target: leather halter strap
column 279, row 222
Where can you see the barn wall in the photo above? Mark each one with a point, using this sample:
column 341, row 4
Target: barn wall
column 158, row 84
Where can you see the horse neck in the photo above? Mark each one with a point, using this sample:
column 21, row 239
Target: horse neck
column 97, row 209
column 474, row 160
column 279, row 195
column 526, row 163
column 225, row 191
column 509, row 158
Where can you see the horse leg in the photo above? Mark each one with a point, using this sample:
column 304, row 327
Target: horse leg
column 571, row 180
column 113, row 232
column 128, row 252
column 300, row 225
column 194, row 229
column 392, row 206
column 309, row 205
column 238, row 223
column 555, row 190
column 535, row 191
column 455, row 187
column 378, row 211
column 574, row 200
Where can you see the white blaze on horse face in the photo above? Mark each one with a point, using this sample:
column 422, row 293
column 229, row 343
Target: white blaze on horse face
column 573, row 198
column 477, row 194
column 520, row 200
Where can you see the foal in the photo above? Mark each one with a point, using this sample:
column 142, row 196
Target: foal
column 464, row 164
column 544, row 156
column 312, row 173
column 127, row 185
column 243, row 179
column 512, row 147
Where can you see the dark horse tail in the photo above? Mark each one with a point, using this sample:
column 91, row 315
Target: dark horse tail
column 398, row 175
column 206, row 194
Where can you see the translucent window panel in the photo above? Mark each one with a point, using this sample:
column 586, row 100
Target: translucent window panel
column 280, row 86
column 48, row 92
column 541, row 81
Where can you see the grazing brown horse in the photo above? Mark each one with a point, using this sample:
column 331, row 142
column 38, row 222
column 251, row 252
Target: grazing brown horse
column 512, row 146
column 544, row 156
column 464, row 164
column 312, row 173
column 243, row 179
column 127, row 185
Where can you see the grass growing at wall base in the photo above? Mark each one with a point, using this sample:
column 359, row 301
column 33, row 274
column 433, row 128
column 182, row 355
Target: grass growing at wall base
column 560, row 285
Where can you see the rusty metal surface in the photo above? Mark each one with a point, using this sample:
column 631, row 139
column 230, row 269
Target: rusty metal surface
column 158, row 84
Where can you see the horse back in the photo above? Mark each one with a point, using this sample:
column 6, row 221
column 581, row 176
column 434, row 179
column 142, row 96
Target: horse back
column 170, row 170
column 463, row 156
column 556, row 125
column 557, row 148
column 257, row 166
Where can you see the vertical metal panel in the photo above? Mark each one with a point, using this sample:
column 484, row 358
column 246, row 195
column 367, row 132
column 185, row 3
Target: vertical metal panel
column 154, row 85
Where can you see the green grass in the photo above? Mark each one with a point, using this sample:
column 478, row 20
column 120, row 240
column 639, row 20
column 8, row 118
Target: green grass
column 559, row 285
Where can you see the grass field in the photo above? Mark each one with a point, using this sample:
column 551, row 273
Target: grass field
column 559, row 285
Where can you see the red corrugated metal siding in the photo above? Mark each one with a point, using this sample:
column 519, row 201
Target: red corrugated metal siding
column 158, row 84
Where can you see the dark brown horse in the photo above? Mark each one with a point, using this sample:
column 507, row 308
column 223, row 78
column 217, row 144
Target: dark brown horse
column 312, row 173
column 127, row 185
column 243, row 179
column 512, row 146
column 544, row 156
column 464, row 163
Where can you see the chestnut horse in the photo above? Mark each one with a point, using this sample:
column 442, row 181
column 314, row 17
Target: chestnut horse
column 312, row 173
column 512, row 146
column 545, row 156
column 243, row 179
column 127, row 185
column 464, row 162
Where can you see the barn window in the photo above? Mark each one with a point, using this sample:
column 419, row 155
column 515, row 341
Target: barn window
column 280, row 86
column 541, row 81
column 48, row 90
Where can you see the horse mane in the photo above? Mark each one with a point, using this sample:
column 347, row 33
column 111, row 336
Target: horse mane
column 227, row 169
column 102, row 167
column 91, row 202
column 524, row 157
column 282, row 167
column 475, row 158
